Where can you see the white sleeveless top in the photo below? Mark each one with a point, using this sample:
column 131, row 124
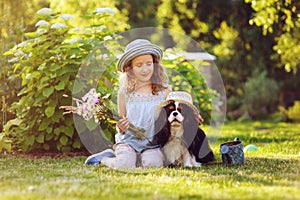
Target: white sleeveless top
column 141, row 112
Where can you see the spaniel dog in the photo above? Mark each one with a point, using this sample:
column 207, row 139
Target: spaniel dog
column 178, row 134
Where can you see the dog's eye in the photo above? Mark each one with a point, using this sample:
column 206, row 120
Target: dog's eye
column 179, row 108
column 171, row 107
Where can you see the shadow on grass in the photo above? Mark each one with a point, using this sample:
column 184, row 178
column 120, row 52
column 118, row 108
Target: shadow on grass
column 256, row 170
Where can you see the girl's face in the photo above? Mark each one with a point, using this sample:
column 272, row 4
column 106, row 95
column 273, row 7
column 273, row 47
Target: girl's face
column 143, row 68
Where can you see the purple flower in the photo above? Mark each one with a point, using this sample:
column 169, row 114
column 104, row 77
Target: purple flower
column 84, row 108
column 96, row 99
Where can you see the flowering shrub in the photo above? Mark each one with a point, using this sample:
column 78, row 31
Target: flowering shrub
column 46, row 64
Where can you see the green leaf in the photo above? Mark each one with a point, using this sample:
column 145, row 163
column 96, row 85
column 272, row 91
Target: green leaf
column 48, row 91
column 76, row 145
column 69, row 131
column 38, row 99
column 49, row 111
column 54, row 67
column 49, row 137
column 10, row 52
column 44, row 79
column 23, row 91
column 44, row 124
column 59, row 130
column 33, row 75
column 30, row 140
column 13, row 122
column 75, row 51
column 57, row 116
column 40, row 138
column 78, row 86
column 69, row 121
column 86, row 16
column 60, row 86
column 91, row 124
column 49, row 130
column 63, row 140
column 5, row 144
column 31, row 34
column 46, row 147
column 80, row 126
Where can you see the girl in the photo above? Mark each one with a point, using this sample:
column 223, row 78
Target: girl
column 143, row 86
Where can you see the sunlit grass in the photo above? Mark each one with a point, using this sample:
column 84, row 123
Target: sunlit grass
column 272, row 172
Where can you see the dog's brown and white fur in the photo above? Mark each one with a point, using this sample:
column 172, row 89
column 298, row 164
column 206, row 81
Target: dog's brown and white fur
column 181, row 140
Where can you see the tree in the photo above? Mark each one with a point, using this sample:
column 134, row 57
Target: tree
column 282, row 19
column 221, row 27
column 140, row 13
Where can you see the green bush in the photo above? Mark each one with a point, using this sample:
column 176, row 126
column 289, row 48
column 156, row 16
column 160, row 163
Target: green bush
column 293, row 112
column 185, row 77
column 261, row 95
column 46, row 65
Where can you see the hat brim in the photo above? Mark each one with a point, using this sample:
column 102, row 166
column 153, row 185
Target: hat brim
column 166, row 102
column 138, row 51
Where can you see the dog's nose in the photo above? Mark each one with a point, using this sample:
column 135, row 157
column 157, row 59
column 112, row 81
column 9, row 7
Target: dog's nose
column 175, row 114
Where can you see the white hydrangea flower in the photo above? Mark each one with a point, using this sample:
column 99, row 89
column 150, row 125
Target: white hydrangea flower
column 29, row 55
column 108, row 37
column 41, row 31
column 103, row 56
column 105, row 10
column 19, row 53
column 22, row 44
column 58, row 26
column 77, row 29
column 74, row 40
column 42, row 23
column 66, row 17
column 45, row 11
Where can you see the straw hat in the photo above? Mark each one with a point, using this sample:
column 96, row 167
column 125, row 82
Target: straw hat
column 136, row 48
column 181, row 97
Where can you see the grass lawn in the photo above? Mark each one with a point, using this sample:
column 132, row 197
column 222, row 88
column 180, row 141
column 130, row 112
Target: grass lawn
column 272, row 172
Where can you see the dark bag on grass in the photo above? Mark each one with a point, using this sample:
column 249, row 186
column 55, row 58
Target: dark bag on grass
column 232, row 153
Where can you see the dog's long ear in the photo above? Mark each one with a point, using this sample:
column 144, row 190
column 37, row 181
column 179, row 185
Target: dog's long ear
column 190, row 124
column 200, row 148
column 161, row 128
column 195, row 137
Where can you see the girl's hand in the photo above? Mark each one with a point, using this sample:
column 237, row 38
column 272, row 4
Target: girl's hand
column 69, row 109
column 123, row 125
column 199, row 118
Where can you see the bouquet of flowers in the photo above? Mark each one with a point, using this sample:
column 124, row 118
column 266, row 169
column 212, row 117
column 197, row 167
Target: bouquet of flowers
column 92, row 105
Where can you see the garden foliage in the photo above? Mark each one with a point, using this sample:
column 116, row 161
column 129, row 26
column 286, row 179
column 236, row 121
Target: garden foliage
column 292, row 113
column 46, row 65
column 261, row 95
column 58, row 61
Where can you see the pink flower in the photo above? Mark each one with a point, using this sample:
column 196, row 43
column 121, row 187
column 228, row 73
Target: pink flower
column 96, row 99
column 84, row 108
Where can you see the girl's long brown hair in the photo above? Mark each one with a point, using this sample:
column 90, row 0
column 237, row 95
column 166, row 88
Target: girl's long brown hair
column 159, row 79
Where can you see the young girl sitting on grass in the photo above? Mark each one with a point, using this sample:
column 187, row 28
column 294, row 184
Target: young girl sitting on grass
column 143, row 86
